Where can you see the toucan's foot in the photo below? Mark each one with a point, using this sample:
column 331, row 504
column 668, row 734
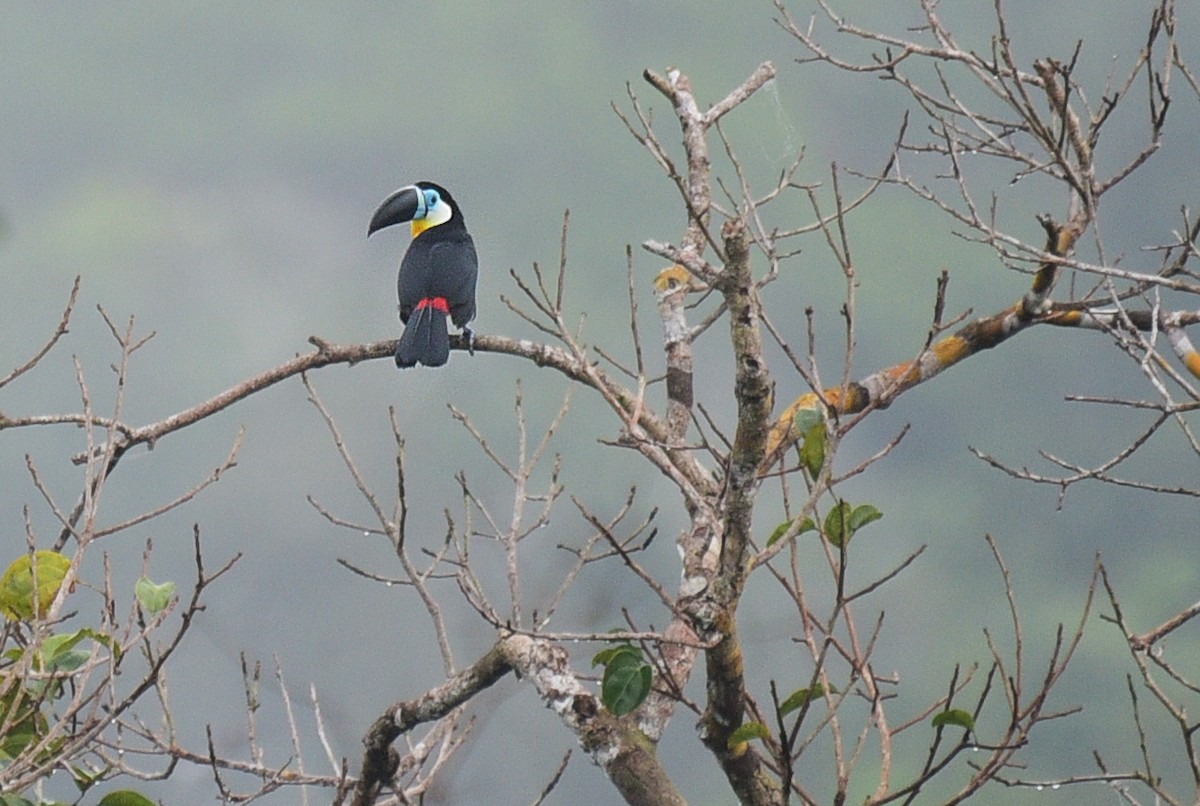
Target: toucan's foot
column 469, row 335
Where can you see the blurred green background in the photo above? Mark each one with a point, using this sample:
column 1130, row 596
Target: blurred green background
column 210, row 169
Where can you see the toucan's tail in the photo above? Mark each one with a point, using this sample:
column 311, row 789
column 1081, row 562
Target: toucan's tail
column 425, row 340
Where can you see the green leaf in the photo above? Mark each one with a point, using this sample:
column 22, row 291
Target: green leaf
column 16, row 585
column 103, row 639
column 70, row 660
column 804, row 420
column 844, row 520
column 18, row 738
column 626, row 680
column 626, row 684
column 837, row 525
column 778, row 533
column 125, row 797
column 85, row 778
column 862, row 515
column 153, row 598
column 606, row 656
column 812, row 451
column 56, row 646
column 624, row 660
column 60, row 652
column 806, row 525
column 14, row 800
column 954, row 716
column 798, row 698
column 747, row 731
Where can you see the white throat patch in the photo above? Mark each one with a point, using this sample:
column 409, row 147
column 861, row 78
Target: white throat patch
column 440, row 213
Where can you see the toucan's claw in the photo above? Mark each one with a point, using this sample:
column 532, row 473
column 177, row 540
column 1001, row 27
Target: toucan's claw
column 470, row 336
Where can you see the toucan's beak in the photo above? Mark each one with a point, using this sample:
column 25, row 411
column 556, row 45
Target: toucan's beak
column 405, row 204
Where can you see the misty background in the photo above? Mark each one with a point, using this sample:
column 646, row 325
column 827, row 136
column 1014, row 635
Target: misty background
column 210, row 170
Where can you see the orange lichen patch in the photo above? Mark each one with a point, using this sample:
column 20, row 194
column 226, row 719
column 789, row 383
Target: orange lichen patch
column 1061, row 242
column 1065, row 241
column 1044, row 278
column 1191, row 360
column 951, row 350
column 1066, row 318
column 672, row 278
column 1184, row 349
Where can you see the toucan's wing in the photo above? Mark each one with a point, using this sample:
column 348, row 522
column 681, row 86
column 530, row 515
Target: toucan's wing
column 456, row 268
column 413, row 283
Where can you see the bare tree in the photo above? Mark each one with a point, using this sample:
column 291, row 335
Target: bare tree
column 968, row 108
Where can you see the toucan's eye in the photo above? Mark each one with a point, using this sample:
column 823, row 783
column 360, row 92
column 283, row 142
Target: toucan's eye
column 431, row 198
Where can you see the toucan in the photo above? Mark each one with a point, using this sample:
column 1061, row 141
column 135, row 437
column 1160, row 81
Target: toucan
column 437, row 274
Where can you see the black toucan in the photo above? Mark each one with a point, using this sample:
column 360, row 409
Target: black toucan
column 437, row 275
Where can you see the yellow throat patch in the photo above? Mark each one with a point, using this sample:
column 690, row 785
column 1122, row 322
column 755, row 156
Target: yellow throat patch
column 440, row 213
